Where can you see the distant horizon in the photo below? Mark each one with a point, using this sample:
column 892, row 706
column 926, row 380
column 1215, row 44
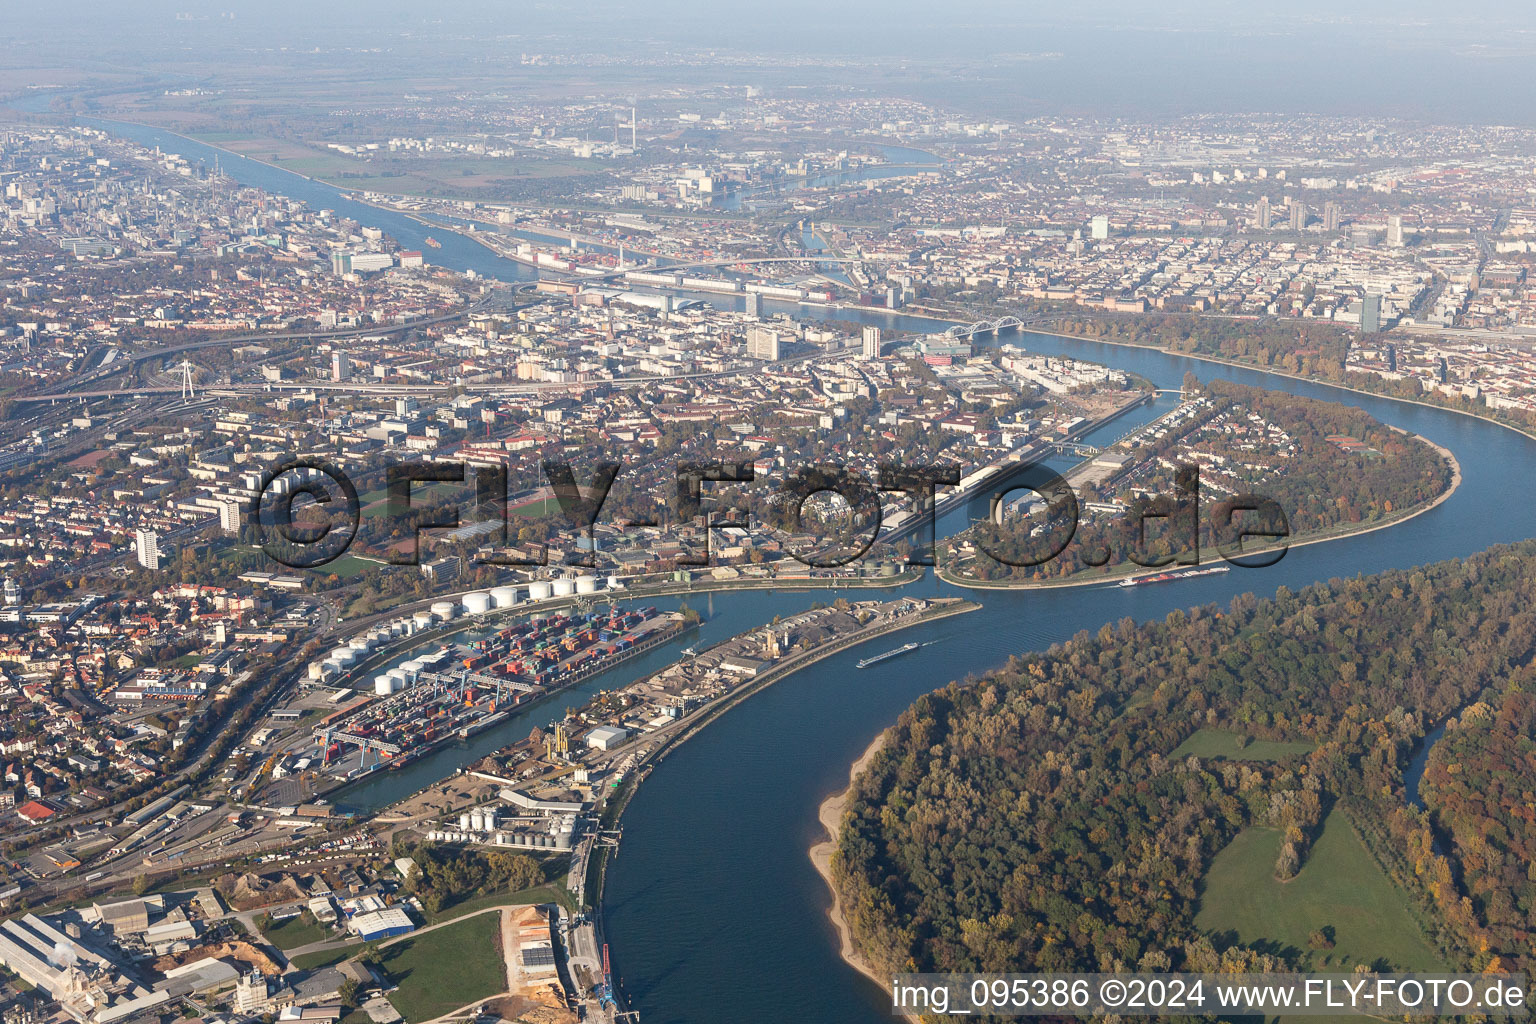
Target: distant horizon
column 1409, row 60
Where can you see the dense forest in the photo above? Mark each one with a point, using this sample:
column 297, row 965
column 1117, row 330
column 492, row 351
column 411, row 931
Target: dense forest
column 1480, row 786
column 1312, row 349
column 1035, row 820
column 1317, row 485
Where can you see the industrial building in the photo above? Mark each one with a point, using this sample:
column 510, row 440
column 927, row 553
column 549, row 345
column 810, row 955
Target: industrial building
column 206, row 975
column 125, row 917
column 86, row 984
column 606, row 737
column 382, row 924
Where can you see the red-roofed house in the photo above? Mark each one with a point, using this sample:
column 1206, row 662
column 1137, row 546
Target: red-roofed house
column 34, row 812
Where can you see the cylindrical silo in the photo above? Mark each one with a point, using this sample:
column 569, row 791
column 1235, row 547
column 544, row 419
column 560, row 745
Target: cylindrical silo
column 504, row 597
column 539, row 590
column 477, row 603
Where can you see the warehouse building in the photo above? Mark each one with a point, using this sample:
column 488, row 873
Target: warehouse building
column 382, row 924
column 124, row 917
column 606, row 737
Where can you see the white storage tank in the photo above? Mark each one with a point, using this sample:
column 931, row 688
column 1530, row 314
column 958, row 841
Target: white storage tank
column 504, row 597
column 316, row 669
column 477, row 603
column 362, row 645
column 614, row 583
column 539, row 590
column 477, row 821
column 443, row 610
column 565, row 588
column 422, row 620
column 383, row 686
column 464, row 820
column 397, row 678
column 586, row 584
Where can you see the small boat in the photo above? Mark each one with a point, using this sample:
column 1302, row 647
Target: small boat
column 905, row 649
column 1169, row 577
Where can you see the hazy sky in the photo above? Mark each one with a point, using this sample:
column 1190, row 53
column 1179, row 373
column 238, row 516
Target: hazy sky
column 1470, row 60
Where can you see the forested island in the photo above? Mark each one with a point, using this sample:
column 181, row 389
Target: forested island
column 1220, row 790
column 1329, row 469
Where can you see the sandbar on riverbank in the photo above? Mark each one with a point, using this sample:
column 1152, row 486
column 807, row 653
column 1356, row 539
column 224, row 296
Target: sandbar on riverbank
column 831, row 815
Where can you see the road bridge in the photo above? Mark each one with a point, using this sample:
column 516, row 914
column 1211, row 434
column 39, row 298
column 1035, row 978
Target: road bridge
column 995, row 327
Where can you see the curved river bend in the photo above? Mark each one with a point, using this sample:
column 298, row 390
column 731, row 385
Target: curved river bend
column 713, row 909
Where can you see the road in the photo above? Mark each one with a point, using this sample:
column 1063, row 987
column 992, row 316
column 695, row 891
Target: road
column 73, row 388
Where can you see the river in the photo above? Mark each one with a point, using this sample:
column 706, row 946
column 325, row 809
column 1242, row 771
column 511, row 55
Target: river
column 713, row 909
column 1413, row 775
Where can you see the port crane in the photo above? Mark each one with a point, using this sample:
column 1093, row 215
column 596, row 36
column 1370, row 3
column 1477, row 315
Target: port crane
column 605, row 995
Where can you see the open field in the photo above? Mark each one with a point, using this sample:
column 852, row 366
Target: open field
column 347, row 566
column 402, row 174
column 295, row 932
column 549, row 893
column 1224, row 743
column 446, row 969
column 1339, row 886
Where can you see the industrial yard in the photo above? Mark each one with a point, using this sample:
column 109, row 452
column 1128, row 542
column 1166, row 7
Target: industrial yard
column 457, row 690
column 562, row 791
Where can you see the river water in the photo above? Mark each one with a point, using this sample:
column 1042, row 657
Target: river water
column 713, row 910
